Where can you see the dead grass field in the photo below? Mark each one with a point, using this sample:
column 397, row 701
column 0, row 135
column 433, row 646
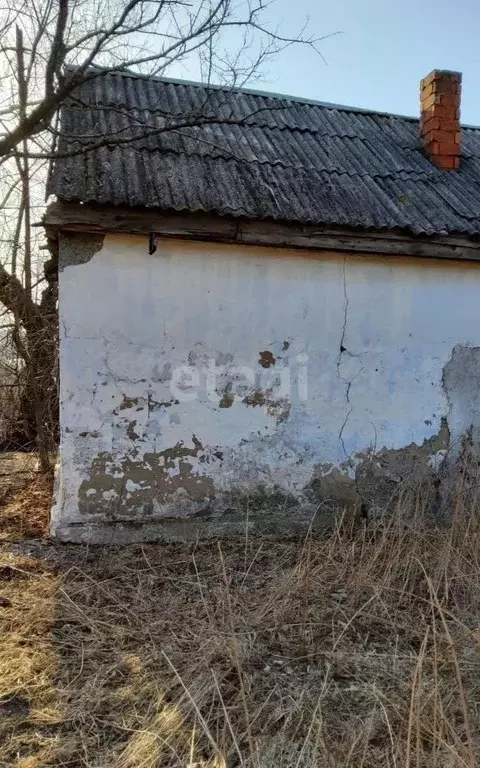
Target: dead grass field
column 358, row 648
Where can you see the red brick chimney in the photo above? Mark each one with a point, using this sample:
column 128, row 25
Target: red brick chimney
column 440, row 117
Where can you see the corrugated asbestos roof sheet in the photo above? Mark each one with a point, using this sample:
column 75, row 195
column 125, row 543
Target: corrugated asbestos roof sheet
column 259, row 157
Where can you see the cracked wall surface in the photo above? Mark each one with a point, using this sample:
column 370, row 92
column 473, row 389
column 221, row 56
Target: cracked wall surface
column 204, row 380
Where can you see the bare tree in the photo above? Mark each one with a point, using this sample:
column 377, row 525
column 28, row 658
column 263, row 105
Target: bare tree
column 48, row 49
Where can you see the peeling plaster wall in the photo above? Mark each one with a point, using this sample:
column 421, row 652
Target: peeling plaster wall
column 378, row 343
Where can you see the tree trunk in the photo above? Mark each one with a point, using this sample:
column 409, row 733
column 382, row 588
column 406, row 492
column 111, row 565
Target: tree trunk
column 35, row 338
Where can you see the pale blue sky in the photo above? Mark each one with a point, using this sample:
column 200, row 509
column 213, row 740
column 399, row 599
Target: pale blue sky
column 383, row 49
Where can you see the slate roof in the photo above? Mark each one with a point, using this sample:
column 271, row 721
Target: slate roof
column 272, row 157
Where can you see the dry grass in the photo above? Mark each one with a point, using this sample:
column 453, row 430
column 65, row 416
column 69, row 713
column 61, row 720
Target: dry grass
column 357, row 649
column 16, row 471
column 25, row 513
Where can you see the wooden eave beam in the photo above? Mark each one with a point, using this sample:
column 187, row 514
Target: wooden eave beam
column 74, row 217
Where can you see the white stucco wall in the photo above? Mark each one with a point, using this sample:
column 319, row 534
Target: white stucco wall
column 365, row 342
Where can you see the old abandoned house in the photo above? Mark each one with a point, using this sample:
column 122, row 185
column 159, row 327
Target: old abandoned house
column 267, row 305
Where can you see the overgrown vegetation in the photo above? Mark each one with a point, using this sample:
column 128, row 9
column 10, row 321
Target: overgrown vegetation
column 358, row 648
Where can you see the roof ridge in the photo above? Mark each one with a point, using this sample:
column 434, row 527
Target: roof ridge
column 71, row 103
column 264, row 94
column 241, row 89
